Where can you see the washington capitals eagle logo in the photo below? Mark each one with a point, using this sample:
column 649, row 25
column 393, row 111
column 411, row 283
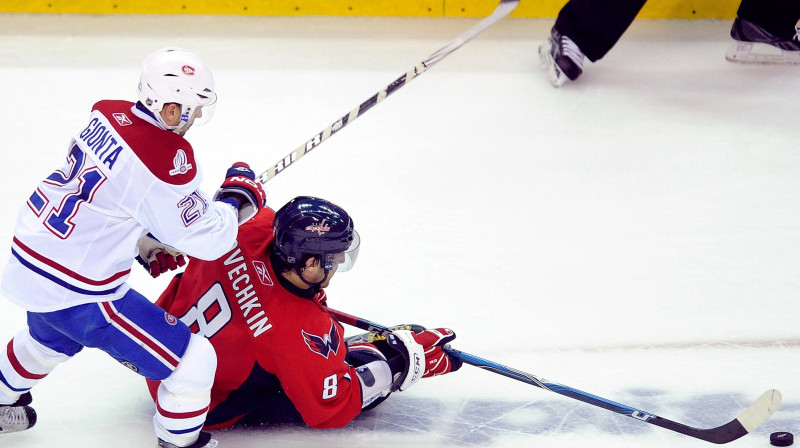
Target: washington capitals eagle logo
column 325, row 344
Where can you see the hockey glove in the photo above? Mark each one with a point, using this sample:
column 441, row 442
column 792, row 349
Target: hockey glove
column 403, row 351
column 437, row 362
column 156, row 257
column 414, row 352
column 242, row 191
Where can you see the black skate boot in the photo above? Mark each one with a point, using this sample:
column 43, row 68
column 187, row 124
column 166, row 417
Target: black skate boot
column 203, row 441
column 561, row 58
column 17, row 416
column 755, row 45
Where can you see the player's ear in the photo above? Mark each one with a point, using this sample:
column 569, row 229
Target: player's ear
column 171, row 112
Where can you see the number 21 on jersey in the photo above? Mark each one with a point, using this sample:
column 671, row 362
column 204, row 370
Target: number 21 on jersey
column 74, row 185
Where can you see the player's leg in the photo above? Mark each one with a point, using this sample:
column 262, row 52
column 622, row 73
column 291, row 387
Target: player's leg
column 587, row 28
column 184, row 363
column 765, row 32
column 154, row 344
column 184, row 396
column 596, row 25
column 768, row 19
column 29, row 357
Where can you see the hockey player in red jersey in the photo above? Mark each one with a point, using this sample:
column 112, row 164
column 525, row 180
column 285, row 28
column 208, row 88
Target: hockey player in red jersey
column 130, row 180
column 281, row 356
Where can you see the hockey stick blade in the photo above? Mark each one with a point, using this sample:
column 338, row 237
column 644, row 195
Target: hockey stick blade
column 758, row 413
column 761, row 410
column 502, row 10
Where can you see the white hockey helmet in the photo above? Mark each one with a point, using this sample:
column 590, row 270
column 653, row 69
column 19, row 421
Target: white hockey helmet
column 175, row 75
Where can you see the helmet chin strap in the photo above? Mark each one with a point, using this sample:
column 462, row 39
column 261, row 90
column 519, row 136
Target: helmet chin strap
column 156, row 116
column 315, row 286
column 181, row 127
column 175, row 129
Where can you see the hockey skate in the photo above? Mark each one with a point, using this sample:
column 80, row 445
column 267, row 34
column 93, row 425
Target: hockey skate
column 561, row 58
column 755, row 45
column 203, row 441
column 17, row 416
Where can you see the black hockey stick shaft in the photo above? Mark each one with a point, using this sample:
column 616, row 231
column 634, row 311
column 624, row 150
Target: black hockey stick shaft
column 502, row 10
column 745, row 423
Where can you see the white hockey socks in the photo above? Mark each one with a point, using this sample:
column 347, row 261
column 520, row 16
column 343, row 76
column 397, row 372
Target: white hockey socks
column 23, row 364
column 183, row 397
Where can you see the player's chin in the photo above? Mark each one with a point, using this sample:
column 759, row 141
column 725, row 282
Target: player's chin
column 327, row 281
column 329, row 277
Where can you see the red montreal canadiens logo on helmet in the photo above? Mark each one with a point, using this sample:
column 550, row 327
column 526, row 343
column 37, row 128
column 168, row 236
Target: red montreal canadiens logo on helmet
column 170, row 318
column 188, row 70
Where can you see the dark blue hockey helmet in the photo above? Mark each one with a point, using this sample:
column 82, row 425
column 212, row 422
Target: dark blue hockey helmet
column 308, row 226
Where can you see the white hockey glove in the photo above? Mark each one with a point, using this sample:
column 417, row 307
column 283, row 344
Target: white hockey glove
column 404, row 355
column 157, row 257
column 408, row 341
column 413, row 353
column 380, row 365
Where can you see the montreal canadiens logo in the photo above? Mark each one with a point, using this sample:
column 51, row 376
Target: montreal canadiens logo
column 170, row 318
column 181, row 163
column 188, row 70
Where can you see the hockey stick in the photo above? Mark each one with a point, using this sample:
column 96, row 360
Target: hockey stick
column 503, row 9
column 746, row 422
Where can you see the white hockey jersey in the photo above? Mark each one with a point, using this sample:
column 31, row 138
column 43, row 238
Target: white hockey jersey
column 75, row 238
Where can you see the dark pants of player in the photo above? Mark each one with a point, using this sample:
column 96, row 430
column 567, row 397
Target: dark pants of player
column 596, row 25
column 779, row 17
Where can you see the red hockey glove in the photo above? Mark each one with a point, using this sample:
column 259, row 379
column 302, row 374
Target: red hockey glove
column 241, row 190
column 421, row 354
column 156, row 257
column 437, row 362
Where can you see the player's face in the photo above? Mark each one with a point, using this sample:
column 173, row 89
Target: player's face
column 196, row 114
column 330, row 275
column 315, row 272
column 172, row 117
column 338, row 258
column 327, row 280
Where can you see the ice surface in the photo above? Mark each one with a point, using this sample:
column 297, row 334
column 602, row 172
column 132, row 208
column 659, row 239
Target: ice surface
column 635, row 235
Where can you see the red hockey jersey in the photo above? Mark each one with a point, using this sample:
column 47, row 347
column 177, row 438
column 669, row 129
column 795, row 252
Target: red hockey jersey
column 273, row 340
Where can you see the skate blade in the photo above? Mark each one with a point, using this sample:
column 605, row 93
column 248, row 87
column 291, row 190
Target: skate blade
column 554, row 74
column 759, row 53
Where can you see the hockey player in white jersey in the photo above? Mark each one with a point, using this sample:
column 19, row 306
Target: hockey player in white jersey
column 129, row 187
